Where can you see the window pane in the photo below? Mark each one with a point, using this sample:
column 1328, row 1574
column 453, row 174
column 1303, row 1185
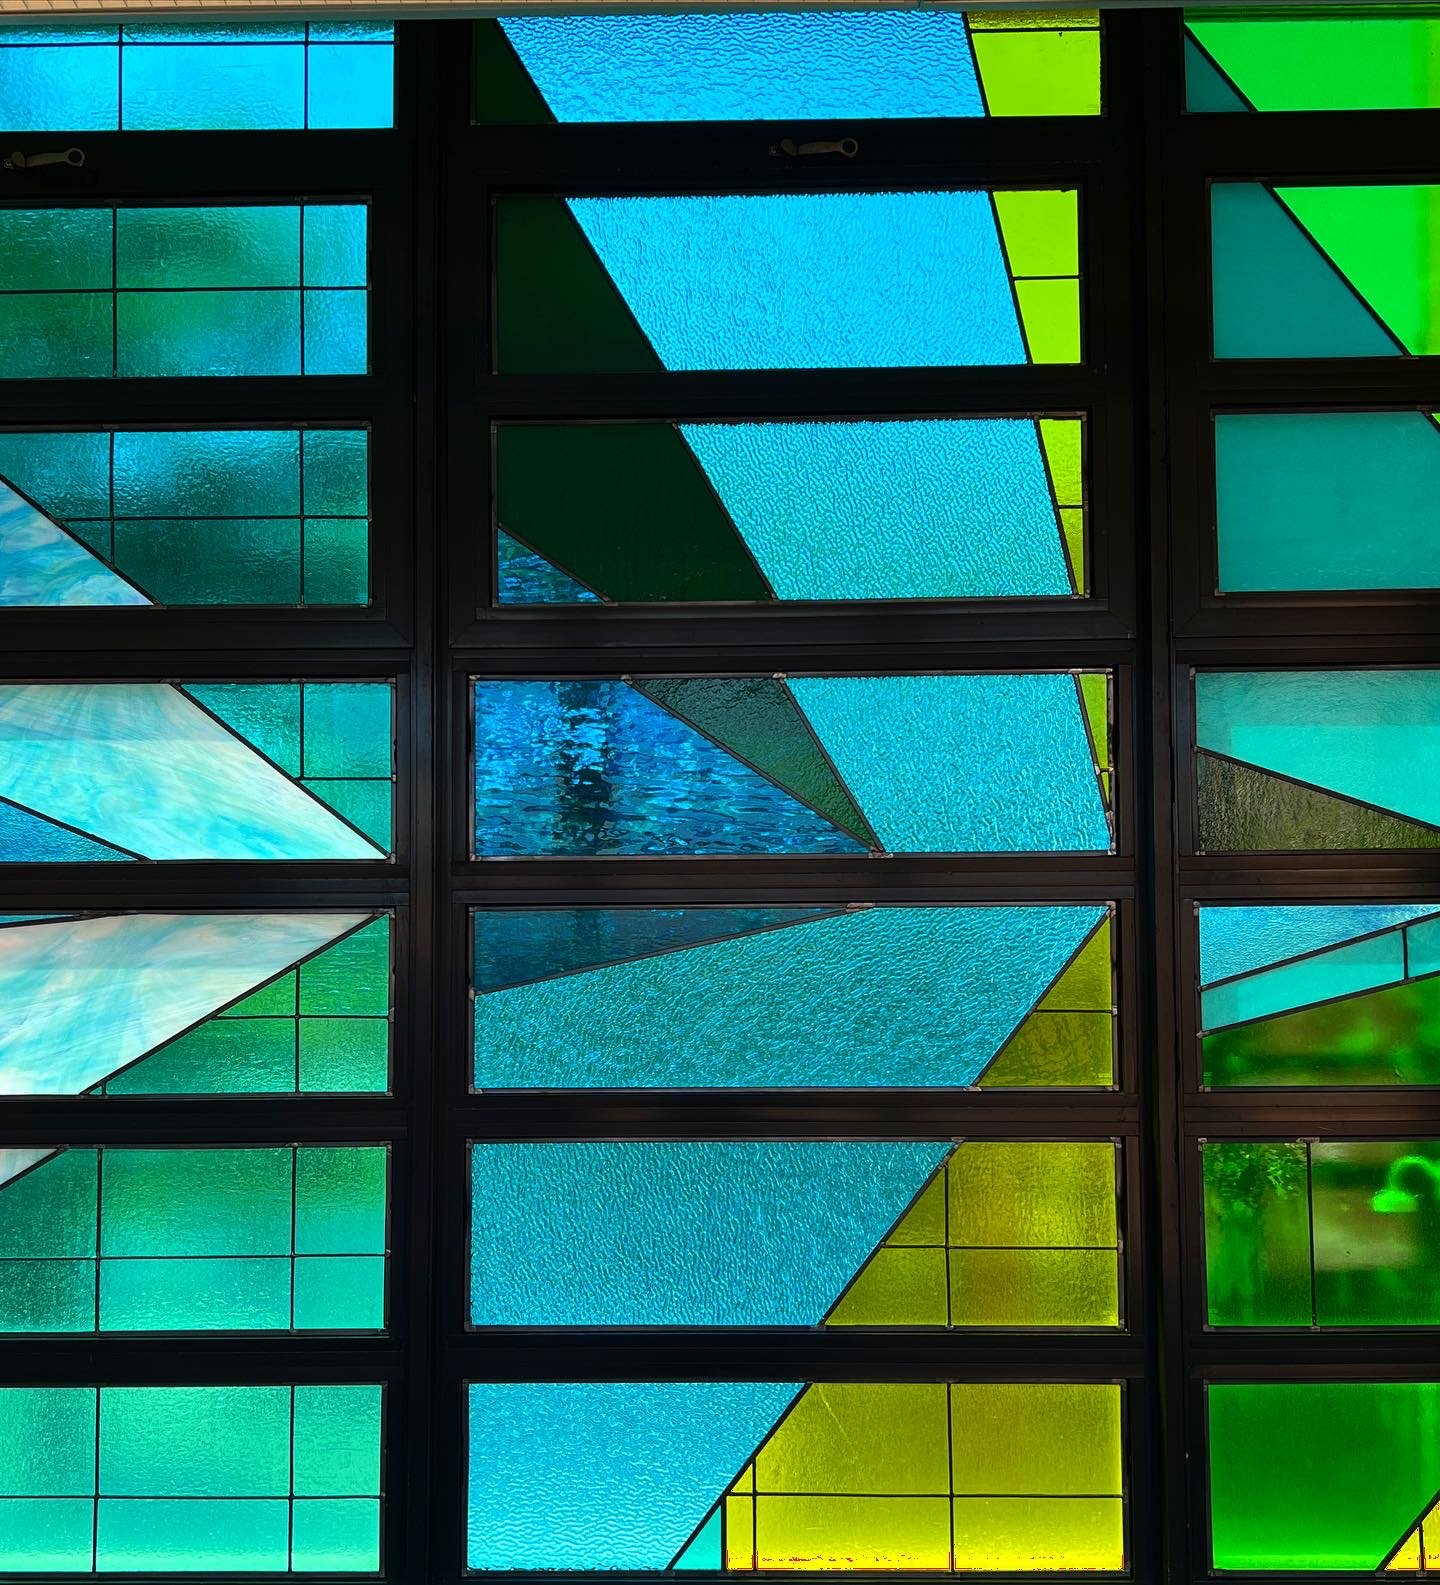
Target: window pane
column 1343, row 59
column 787, row 280
column 195, row 1004
column 99, row 771
column 897, row 509
column 709, row 765
column 1294, row 760
column 220, row 290
column 183, row 1479
column 1013, row 997
column 1323, row 272
column 1307, row 994
column 1321, row 1475
column 772, row 66
column 195, row 78
column 836, row 1475
column 184, row 517
column 167, row 1240
column 1327, row 500
column 795, row 1233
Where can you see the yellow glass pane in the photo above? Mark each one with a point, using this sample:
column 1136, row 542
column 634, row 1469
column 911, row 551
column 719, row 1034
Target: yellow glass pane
column 745, row 1480
column 1072, row 527
column 1063, row 443
column 1055, row 1049
column 1034, row 1287
column 900, row 1287
column 1015, row 1534
column 739, row 1532
column 1036, row 1438
column 1028, row 72
column 1408, row 1560
column 1040, row 227
column 1086, row 984
column 1050, row 313
column 924, row 1222
column 1010, row 21
column 853, row 1532
column 1033, row 1193
column 860, row 1437
column 1095, row 691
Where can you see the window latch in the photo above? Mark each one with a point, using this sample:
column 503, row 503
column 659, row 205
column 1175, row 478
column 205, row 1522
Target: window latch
column 849, row 147
column 28, row 162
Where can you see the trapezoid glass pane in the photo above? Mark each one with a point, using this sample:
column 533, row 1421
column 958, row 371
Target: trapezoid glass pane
column 149, row 518
column 794, row 1233
column 1322, row 1233
column 1332, row 58
column 1324, row 271
column 1333, row 500
column 757, row 66
column 1290, row 761
column 223, row 1239
column 192, row 77
column 1331, row 1476
column 285, row 1002
column 1012, row 997
column 954, row 763
column 735, row 1477
column 125, row 771
column 871, row 280
column 1309, row 994
column 193, row 1479
column 224, row 289
column 894, row 509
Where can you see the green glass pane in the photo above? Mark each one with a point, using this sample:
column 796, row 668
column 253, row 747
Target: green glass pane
column 46, row 1535
column 192, row 1536
column 196, row 1202
column 275, row 1000
column 235, row 1294
column 340, row 1293
column 337, row 472
column 208, row 333
column 51, row 1209
column 340, row 1199
column 336, row 1535
column 367, row 805
column 1050, row 1193
column 503, row 89
column 345, row 1054
column 347, row 729
column 47, row 1296
column 1034, row 1287
column 47, row 1441
column 337, row 561
column 232, row 245
column 55, row 250
column 1257, row 1234
column 266, row 714
column 1362, row 965
column 195, row 1441
column 236, row 561
column 1050, row 1438
column 1032, row 73
column 69, row 472
column 337, row 1441
column 55, row 337
column 899, row 1287
column 353, row 976
column 226, row 1056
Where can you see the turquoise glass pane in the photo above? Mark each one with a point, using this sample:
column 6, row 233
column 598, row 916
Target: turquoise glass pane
column 1327, row 500
column 1338, row 972
column 47, row 1441
column 195, row 1295
column 212, row 87
column 740, row 1233
column 74, row 86
column 335, row 1535
column 337, row 1441
column 195, row 1441
column 1240, row 940
column 183, row 1536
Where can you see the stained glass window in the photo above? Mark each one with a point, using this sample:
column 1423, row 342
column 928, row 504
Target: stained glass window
column 741, row 66
column 897, row 509
column 272, row 289
column 996, row 762
column 188, row 77
column 112, row 771
column 156, row 1240
column 599, row 285
column 167, row 1480
column 870, row 1475
column 184, row 517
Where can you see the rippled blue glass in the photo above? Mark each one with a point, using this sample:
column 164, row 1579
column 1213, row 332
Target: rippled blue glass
column 525, row 578
column 1237, row 940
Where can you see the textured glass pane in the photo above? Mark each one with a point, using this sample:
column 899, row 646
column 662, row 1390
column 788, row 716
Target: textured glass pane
column 756, row 66
column 171, row 1004
column 1326, row 500
column 857, row 998
column 141, row 770
column 1319, row 1475
column 189, row 78
column 993, row 763
column 601, row 284
column 839, row 1475
column 957, row 508
column 1289, row 760
column 1257, row 1234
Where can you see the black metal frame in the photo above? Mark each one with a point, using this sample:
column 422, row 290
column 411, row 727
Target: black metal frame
column 1148, row 389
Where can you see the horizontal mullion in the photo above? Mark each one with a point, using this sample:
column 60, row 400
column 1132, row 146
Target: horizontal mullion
column 200, row 1120
column 76, row 631
column 1321, row 617
column 1268, row 877
column 191, row 660
column 1307, row 145
column 1403, row 1112
column 799, row 645
column 1290, row 650
column 197, row 1359
column 232, row 401
column 1374, row 1354
column 188, row 882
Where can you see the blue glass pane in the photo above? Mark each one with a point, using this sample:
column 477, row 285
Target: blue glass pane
column 232, row 86
column 1239, row 940
column 69, row 86
column 525, row 578
column 350, row 85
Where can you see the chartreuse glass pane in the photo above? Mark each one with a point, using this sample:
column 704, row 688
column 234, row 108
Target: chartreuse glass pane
column 774, row 66
column 188, row 77
column 1012, row 997
column 898, row 509
column 1320, row 995
column 240, row 289
column 1000, row 762
column 1329, row 1233
column 184, row 517
column 768, row 1233
column 189, row 1004
column 873, row 280
column 196, row 770
column 165, row 1480
column 1294, row 760
column 225, row 1239
column 865, row 1476
column 1340, row 58
column 1329, row 1476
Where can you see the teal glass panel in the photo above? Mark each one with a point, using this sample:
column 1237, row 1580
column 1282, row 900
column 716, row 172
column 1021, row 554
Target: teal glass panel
column 334, row 1535
column 1240, row 940
column 1326, row 500
column 177, row 291
column 337, row 1441
column 1379, row 960
column 170, row 1535
column 193, row 78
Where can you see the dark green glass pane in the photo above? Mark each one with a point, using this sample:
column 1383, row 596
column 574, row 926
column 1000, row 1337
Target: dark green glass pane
column 205, row 333
column 347, row 729
column 337, row 472
column 237, row 1056
column 50, row 1211
column 47, row 1441
column 337, row 1441
column 337, row 561
column 337, row 1535
column 345, row 1054
column 340, row 1200
column 1257, row 1234
column 266, row 714
column 353, row 976
column 55, row 337
column 504, row 92
column 625, row 508
column 207, row 473
column 55, row 250
column 194, row 1295
column 340, row 1293
column 46, row 1296
column 230, row 245
column 234, row 561
column 1389, row 1036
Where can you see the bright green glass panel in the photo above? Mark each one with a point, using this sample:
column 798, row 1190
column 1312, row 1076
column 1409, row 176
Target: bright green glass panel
column 344, row 1054
column 340, row 1200
column 1257, row 1234
column 235, row 1057
column 351, row 977
column 50, row 1211
column 196, row 1202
